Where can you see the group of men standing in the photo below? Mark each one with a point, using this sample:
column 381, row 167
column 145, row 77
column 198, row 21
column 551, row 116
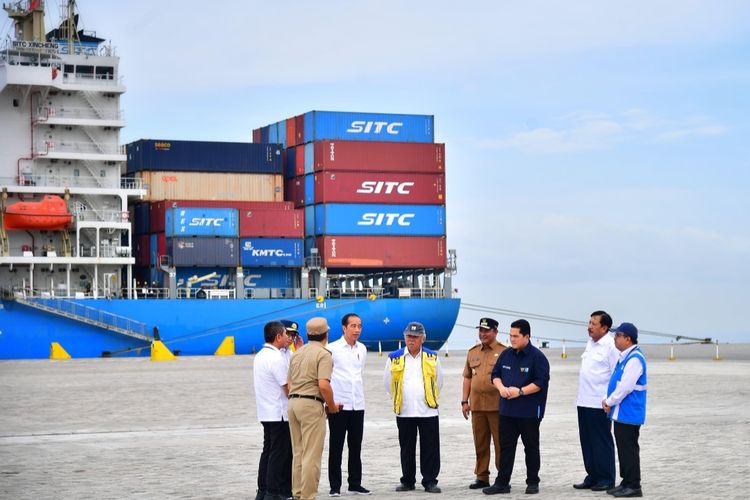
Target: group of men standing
column 504, row 391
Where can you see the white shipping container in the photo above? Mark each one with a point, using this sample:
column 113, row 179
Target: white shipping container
column 212, row 186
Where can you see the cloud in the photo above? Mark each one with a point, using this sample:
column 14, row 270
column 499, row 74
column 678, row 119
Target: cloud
column 590, row 131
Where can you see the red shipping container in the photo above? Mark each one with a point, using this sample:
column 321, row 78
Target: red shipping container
column 379, row 156
column 256, row 136
column 300, row 128
column 291, row 132
column 272, row 223
column 161, row 245
column 379, row 187
column 142, row 250
column 158, row 209
column 382, row 251
column 294, row 191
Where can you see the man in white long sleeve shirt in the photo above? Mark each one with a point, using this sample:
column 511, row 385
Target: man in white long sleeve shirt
column 594, row 427
column 413, row 378
column 348, row 386
column 626, row 405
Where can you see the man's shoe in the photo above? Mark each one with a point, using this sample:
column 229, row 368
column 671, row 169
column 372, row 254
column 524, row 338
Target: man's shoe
column 433, row 488
column 334, row 493
column 497, row 488
column 405, row 487
column 358, row 490
column 615, row 490
column 532, row 489
column 628, row 493
column 478, row 484
column 602, row 487
column 583, row 486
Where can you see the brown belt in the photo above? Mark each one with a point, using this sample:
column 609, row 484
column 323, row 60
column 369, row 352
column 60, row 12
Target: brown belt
column 305, row 396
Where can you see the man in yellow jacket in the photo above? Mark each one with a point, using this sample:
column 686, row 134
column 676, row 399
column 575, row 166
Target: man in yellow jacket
column 413, row 378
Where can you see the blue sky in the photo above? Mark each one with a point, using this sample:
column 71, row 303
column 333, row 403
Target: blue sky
column 596, row 152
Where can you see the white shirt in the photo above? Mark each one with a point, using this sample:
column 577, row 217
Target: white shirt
column 348, row 370
column 413, row 403
column 598, row 362
column 630, row 374
column 270, row 371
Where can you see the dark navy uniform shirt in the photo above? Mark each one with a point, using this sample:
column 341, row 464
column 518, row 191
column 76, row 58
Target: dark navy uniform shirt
column 519, row 369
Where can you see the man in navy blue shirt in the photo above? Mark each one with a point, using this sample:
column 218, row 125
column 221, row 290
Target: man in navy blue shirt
column 521, row 376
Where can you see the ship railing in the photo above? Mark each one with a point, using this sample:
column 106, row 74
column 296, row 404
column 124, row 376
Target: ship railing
column 273, row 293
column 385, row 293
column 149, row 292
column 59, row 181
column 44, row 113
column 105, row 251
column 82, row 311
column 90, row 78
column 102, row 215
column 131, row 183
column 51, row 146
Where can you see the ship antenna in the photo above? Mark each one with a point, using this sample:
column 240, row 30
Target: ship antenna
column 71, row 30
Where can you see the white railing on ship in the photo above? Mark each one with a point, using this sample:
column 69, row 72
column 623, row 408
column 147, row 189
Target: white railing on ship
column 102, row 215
column 46, row 112
column 72, row 181
column 49, row 146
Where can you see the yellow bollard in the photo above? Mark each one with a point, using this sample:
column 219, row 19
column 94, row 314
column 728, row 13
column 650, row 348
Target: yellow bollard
column 160, row 352
column 226, row 348
column 380, row 349
column 671, row 353
column 564, row 354
column 56, row 351
column 717, row 357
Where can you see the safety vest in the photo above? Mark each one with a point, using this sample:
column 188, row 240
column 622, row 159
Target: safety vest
column 632, row 409
column 429, row 376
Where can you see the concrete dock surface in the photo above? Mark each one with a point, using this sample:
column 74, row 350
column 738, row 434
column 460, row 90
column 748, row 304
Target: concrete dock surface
column 132, row 428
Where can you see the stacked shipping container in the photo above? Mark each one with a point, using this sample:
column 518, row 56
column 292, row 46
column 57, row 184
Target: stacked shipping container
column 372, row 186
column 212, row 207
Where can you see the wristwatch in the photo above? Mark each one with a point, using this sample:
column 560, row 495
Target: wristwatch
column 520, row 391
column 464, row 403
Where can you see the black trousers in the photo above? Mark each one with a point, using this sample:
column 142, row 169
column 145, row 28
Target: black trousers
column 275, row 468
column 629, row 454
column 345, row 425
column 510, row 429
column 429, row 449
column 597, row 446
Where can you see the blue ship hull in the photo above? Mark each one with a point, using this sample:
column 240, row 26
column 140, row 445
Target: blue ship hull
column 197, row 327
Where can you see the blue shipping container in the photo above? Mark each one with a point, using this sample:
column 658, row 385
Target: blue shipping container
column 310, row 189
column 153, row 250
column 291, row 163
column 268, row 277
column 384, row 220
column 202, row 156
column 203, row 252
column 142, row 215
column 310, row 220
column 275, row 252
column 281, row 133
column 368, row 127
column 273, row 133
column 201, row 222
column 309, row 157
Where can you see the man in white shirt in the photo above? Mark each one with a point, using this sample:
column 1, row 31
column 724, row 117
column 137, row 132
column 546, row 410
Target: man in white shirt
column 348, row 386
column 413, row 378
column 594, row 428
column 270, row 370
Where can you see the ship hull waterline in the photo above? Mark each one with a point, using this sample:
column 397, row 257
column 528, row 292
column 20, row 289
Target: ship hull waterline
column 197, row 327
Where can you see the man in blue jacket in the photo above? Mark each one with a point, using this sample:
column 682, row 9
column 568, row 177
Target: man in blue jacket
column 626, row 406
column 521, row 376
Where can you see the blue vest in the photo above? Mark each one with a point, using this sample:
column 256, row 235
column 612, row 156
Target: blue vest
column 632, row 409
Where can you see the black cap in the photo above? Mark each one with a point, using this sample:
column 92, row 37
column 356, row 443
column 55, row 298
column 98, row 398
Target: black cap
column 291, row 326
column 414, row 328
column 488, row 323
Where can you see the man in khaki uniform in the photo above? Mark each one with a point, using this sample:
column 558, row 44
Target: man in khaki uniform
column 482, row 401
column 309, row 390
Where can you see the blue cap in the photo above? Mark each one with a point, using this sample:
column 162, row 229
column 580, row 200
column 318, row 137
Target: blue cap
column 291, row 326
column 628, row 329
column 415, row 328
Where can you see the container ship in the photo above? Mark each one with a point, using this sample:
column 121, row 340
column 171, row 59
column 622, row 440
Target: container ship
column 105, row 249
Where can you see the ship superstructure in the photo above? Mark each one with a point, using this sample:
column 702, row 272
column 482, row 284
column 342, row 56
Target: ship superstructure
column 60, row 127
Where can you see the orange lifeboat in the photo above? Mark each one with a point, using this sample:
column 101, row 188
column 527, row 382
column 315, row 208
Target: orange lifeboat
column 49, row 213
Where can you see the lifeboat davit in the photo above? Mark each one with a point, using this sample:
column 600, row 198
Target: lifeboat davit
column 49, row 213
